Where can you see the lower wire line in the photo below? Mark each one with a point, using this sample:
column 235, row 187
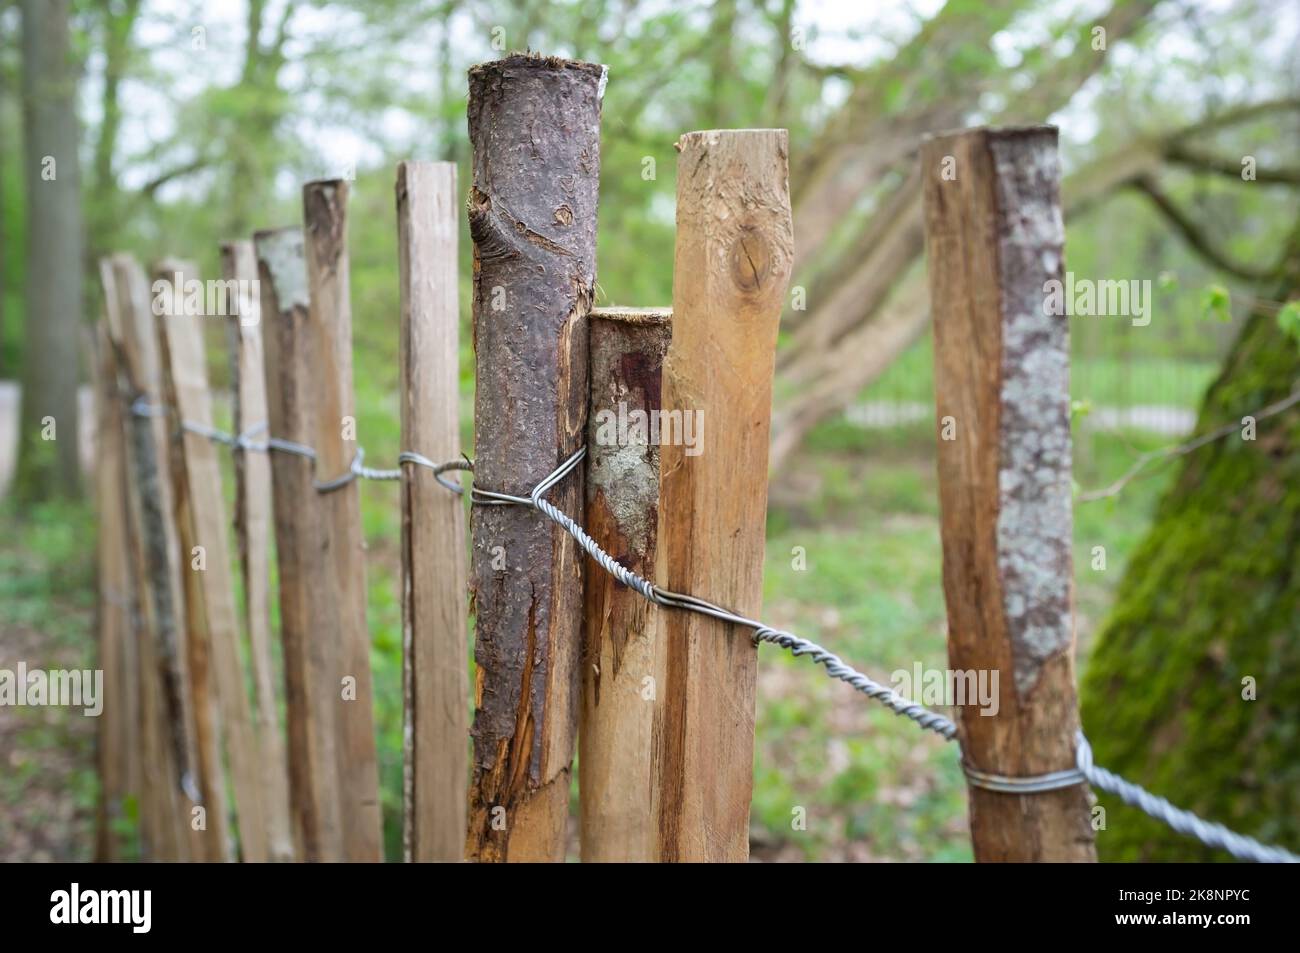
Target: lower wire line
column 1084, row 770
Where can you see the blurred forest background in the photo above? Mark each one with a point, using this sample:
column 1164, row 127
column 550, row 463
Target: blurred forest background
column 195, row 122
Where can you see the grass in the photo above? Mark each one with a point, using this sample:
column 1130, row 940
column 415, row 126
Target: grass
column 865, row 514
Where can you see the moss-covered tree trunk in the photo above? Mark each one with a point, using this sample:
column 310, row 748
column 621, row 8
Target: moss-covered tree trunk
column 1208, row 608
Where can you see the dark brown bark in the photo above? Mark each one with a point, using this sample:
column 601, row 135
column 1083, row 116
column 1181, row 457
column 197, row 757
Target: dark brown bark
column 534, row 124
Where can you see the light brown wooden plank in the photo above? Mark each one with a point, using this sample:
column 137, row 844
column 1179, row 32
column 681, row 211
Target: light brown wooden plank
column 994, row 237
column 213, row 620
column 308, row 622
column 731, row 269
column 329, row 324
column 253, row 532
column 435, row 610
column 118, row 721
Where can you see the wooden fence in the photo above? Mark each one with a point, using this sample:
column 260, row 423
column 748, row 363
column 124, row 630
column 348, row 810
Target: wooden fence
column 222, row 766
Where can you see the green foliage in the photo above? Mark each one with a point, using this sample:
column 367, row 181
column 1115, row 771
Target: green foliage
column 1288, row 320
column 1209, row 600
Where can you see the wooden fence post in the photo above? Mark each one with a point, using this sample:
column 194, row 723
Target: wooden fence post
column 119, row 739
column 253, row 527
column 212, row 718
column 534, row 124
column 994, row 237
column 616, row 728
column 167, row 713
column 731, row 270
column 435, row 611
column 329, row 323
column 308, row 623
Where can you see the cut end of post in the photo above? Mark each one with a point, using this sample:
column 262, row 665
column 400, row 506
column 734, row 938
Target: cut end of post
column 530, row 60
column 281, row 251
column 635, row 316
column 709, row 137
column 995, row 132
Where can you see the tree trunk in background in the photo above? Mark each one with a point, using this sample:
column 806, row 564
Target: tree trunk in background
column 54, row 248
column 1209, row 600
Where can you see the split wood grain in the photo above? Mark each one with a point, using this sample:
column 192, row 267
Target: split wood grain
column 308, row 621
column 731, row 270
column 253, row 531
column 329, row 325
column 435, row 608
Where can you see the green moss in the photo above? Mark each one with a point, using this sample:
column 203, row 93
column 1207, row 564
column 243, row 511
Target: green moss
column 1210, row 598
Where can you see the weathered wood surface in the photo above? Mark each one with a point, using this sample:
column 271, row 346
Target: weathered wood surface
column 534, row 126
column 731, row 270
column 994, row 237
column 212, row 721
column 616, row 726
column 308, row 622
column 435, row 609
column 253, row 530
column 329, row 325
column 167, row 718
column 119, row 739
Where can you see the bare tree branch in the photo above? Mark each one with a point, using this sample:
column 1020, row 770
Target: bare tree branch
column 1195, row 236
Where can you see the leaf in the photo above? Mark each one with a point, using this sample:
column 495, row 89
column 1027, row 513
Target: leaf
column 1216, row 303
column 1288, row 319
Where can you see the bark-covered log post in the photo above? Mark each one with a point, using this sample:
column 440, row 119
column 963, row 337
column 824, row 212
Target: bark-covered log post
column 534, row 124
column 435, row 611
column 329, row 323
column 994, row 238
column 308, row 622
column 730, row 274
column 616, row 725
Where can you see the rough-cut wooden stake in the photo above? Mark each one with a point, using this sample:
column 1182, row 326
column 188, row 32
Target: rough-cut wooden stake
column 308, row 623
column 167, row 711
column 329, row 322
column 152, row 813
column 213, row 616
column 435, row 663
column 616, row 725
column 534, row 124
column 200, row 631
column 253, row 530
column 994, row 237
column 118, row 721
column 731, row 269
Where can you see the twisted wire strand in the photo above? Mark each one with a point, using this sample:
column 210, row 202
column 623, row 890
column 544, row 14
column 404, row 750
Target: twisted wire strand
column 1183, row 821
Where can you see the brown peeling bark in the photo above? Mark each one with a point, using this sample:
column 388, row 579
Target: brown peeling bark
column 534, row 124
column 994, row 237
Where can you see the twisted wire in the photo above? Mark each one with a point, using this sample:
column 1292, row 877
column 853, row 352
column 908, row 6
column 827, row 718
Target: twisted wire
column 1209, row 833
column 1184, row 822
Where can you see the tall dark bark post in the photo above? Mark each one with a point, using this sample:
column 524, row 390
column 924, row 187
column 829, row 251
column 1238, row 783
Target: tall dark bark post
column 534, row 123
column 54, row 255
